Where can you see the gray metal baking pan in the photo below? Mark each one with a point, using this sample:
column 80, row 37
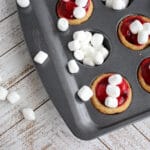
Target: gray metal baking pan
column 39, row 26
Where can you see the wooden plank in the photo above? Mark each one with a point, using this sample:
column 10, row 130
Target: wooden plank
column 7, row 7
column 126, row 138
column 15, row 65
column 11, row 33
column 47, row 132
column 32, row 95
column 144, row 127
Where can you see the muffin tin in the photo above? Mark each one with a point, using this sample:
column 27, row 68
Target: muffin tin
column 41, row 33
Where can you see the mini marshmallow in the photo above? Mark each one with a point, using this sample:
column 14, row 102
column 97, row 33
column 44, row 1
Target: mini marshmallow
column 136, row 26
column 81, row 3
column 98, row 59
column 111, row 102
column 13, row 97
column 108, row 3
column 85, row 93
column 79, row 12
column 23, row 3
column 79, row 55
column 113, row 91
column 143, row 37
column 40, row 57
column 115, row 79
column 146, row 27
column 104, row 51
column 3, row 93
column 63, row 24
column 74, row 45
column 28, row 114
column 73, row 66
column 89, row 51
column 88, row 61
column 88, row 37
column 79, row 35
column 97, row 40
column 117, row 4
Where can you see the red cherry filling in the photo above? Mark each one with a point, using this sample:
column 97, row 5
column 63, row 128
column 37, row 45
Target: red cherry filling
column 145, row 70
column 130, row 37
column 101, row 91
column 65, row 9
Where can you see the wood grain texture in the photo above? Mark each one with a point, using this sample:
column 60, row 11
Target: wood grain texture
column 47, row 132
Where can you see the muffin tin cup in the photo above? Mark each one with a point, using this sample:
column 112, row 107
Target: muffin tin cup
column 39, row 25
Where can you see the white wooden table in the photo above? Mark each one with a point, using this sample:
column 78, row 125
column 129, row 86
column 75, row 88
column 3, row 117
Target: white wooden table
column 48, row 131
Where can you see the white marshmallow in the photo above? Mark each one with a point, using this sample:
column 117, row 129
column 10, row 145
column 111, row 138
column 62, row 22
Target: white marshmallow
column 103, row 51
column 85, row 93
column 117, row 4
column 143, row 37
column 97, row 40
column 98, row 59
column 108, row 3
column 13, row 97
column 79, row 12
column 28, row 114
column 115, row 79
column 1, row 79
column 111, row 102
column 88, row 37
column 81, row 3
column 146, row 27
column 63, row 24
column 73, row 66
column 113, row 91
column 89, row 51
column 125, row 3
column 3, row 93
column 88, row 61
column 40, row 57
column 74, row 45
column 136, row 26
column 23, row 3
column 79, row 35
column 79, row 55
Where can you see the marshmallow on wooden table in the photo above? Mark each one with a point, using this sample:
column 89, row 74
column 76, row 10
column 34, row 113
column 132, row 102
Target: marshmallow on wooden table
column 143, row 37
column 115, row 79
column 136, row 26
column 113, row 91
column 81, row 3
column 23, row 3
column 3, row 93
column 111, row 102
column 85, row 93
column 73, row 66
column 79, row 55
column 97, row 40
column 62, row 24
column 74, row 45
column 28, row 114
column 79, row 12
column 40, row 57
column 13, row 97
column 146, row 27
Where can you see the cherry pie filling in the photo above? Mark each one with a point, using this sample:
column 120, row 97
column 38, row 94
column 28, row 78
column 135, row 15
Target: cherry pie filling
column 65, row 9
column 101, row 91
column 129, row 36
column 145, row 70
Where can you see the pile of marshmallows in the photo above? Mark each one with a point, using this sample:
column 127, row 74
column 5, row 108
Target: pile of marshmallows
column 142, row 31
column 112, row 90
column 13, row 97
column 116, row 4
column 87, row 48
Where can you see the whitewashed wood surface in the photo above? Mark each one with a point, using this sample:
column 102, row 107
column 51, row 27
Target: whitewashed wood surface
column 48, row 131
